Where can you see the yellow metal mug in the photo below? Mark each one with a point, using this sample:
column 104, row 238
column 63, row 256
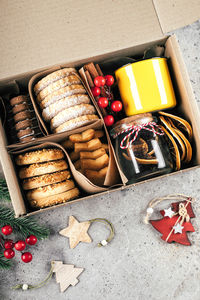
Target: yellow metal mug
column 145, row 86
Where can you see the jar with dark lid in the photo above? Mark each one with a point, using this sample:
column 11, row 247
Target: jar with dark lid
column 140, row 147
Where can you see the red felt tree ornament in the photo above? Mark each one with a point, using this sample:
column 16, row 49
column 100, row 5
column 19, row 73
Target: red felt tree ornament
column 176, row 220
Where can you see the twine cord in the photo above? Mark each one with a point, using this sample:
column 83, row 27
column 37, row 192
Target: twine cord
column 42, row 283
column 181, row 216
column 156, row 201
column 111, row 227
column 134, row 131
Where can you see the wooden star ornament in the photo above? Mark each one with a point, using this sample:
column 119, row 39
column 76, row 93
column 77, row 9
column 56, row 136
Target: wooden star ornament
column 76, row 232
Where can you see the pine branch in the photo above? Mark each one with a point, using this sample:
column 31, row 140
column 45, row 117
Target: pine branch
column 23, row 226
column 4, row 193
column 4, row 263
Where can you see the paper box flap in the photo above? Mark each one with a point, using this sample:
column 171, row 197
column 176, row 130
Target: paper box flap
column 173, row 14
column 36, row 34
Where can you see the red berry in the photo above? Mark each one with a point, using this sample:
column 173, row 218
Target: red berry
column 103, row 102
column 31, row 240
column 116, row 106
column 109, row 80
column 8, row 244
column 7, row 229
column 99, row 81
column 96, row 91
column 109, row 120
column 9, row 253
column 26, row 257
column 20, row 245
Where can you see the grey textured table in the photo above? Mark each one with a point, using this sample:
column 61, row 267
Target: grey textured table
column 137, row 264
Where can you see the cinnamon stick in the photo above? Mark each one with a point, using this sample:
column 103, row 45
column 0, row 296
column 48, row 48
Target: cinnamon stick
column 99, row 70
column 89, row 79
column 92, row 70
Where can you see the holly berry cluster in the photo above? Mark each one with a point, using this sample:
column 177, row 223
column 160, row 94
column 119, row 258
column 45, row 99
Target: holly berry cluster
column 9, row 245
column 112, row 106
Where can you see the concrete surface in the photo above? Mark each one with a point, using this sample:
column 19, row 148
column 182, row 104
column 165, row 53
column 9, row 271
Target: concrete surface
column 137, row 264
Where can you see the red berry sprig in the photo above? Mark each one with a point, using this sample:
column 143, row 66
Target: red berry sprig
column 96, row 91
column 99, row 81
column 31, row 240
column 9, row 244
column 103, row 102
column 20, row 245
column 9, row 253
column 107, row 103
column 26, row 257
column 6, row 230
column 109, row 120
column 116, row 106
column 109, row 80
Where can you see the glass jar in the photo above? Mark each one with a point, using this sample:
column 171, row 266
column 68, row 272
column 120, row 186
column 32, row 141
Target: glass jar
column 140, row 147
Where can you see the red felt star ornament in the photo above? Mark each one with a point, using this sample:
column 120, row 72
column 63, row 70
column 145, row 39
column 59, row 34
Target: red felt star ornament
column 166, row 224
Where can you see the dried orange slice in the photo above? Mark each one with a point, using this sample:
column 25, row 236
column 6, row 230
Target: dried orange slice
column 172, row 131
column 180, row 123
column 174, row 148
column 188, row 146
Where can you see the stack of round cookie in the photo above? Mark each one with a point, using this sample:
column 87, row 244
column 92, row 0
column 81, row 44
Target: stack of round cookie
column 63, row 100
column 46, row 178
column 25, row 122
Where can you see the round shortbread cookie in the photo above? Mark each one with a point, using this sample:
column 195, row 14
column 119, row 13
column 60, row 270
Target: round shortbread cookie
column 25, row 132
column 18, row 100
column 39, row 156
column 22, row 115
column 39, row 181
column 20, row 107
column 43, row 168
column 55, row 199
column 50, row 190
column 62, row 93
column 44, row 82
column 75, row 123
column 72, row 113
column 23, row 124
column 27, row 138
column 69, row 80
column 53, row 109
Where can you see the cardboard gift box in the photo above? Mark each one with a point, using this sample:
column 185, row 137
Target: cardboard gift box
column 40, row 35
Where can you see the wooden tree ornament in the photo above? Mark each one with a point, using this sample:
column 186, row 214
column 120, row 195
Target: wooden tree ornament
column 66, row 275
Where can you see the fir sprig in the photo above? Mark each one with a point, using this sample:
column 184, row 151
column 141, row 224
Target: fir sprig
column 4, row 193
column 4, row 263
column 23, row 226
